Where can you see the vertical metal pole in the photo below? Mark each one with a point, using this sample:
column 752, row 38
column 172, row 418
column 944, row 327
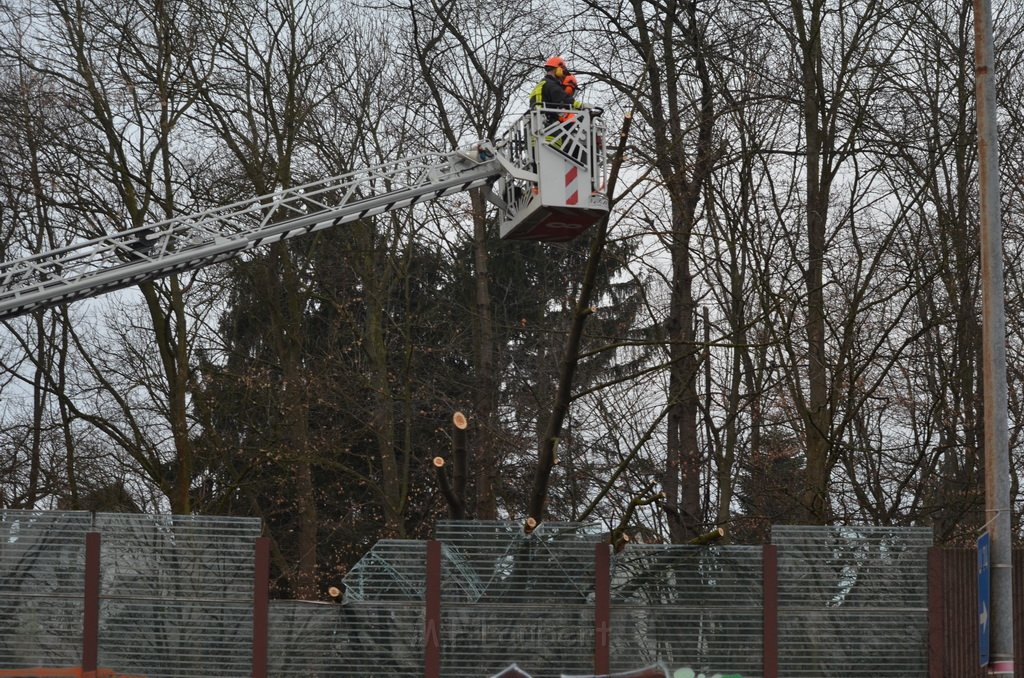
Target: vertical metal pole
column 770, row 591
column 261, row 608
column 997, row 457
column 936, row 614
column 602, row 608
column 91, row 604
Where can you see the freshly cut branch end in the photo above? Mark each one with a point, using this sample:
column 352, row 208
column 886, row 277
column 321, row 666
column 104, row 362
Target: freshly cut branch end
column 712, row 536
column 460, row 421
column 439, row 462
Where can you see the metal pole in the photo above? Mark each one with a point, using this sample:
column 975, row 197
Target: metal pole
column 997, row 457
column 602, row 608
column 770, row 591
column 261, row 608
column 91, row 604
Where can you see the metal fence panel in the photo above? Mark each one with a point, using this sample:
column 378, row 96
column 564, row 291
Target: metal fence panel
column 381, row 639
column 956, row 651
column 376, row 631
column 176, row 594
column 365, row 639
column 688, row 606
column 853, row 601
column 508, row 597
column 42, row 555
column 302, row 639
column 959, row 642
column 394, row 569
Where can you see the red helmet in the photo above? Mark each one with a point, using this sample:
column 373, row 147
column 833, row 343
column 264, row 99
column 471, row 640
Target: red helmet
column 556, row 62
column 569, row 83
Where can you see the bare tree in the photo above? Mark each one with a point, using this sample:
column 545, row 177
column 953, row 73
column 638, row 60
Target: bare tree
column 473, row 60
column 118, row 72
column 271, row 65
column 834, row 95
column 677, row 104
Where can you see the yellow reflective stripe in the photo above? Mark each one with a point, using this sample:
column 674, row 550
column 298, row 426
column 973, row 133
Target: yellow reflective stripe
column 537, row 95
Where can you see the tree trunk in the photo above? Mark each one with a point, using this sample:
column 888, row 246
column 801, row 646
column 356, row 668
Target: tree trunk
column 485, row 464
column 817, row 415
column 685, row 521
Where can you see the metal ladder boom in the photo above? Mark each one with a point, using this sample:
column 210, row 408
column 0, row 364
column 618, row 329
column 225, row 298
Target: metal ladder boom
column 125, row 258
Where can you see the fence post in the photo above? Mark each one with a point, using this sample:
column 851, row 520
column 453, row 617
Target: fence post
column 91, row 604
column 261, row 608
column 770, row 586
column 602, row 608
column 936, row 615
column 432, row 616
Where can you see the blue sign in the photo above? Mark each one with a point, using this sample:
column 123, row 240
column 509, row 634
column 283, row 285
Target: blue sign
column 984, row 569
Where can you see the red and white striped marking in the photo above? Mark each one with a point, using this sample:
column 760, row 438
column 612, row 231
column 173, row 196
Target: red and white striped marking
column 572, row 193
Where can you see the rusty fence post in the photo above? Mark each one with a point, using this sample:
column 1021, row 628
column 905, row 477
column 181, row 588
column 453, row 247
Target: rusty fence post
column 936, row 615
column 261, row 608
column 432, row 616
column 770, row 584
column 91, row 604
column 602, row 608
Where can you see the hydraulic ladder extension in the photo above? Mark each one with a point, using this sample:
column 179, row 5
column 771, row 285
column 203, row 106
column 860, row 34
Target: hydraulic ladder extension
column 551, row 189
column 133, row 256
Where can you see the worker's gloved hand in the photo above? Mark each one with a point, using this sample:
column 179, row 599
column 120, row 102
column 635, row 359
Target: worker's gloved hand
column 585, row 106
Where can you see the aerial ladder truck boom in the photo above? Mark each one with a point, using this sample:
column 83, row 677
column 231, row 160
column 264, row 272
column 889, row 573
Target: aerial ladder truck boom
column 546, row 178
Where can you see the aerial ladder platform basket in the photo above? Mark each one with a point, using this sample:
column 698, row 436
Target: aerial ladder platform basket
column 546, row 176
column 561, row 191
